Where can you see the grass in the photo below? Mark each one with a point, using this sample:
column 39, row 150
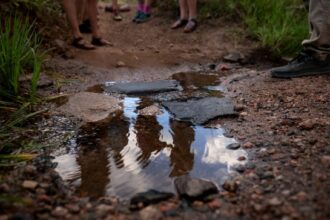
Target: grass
column 19, row 54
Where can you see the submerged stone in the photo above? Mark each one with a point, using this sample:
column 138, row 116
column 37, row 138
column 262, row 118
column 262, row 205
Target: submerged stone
column 193, row 188
column 202, row 110
column 149, row 197
column 144, row 87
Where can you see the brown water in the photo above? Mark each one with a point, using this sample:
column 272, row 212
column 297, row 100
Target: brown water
column 134, row 153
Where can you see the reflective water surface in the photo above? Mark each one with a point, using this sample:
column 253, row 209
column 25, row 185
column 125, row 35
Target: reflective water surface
column 134, row 153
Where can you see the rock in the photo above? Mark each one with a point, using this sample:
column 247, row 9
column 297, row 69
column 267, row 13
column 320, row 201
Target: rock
column 193, row 188
column 73, row 208
column 152, row 110
column 230, row 186
column 30, row 170
column 241, row 158
column 326, row 160
column 61, row 45
column 274, row 202
column 202, row 110
column 214, row 204
column 233, row 146
column 150, row 213
column 45, row 81
column 90, row 107
column 234, row 57
column 59, row 212
column 29, row 184
column 149, row 197
column 102, row 210
column 144, row 87
column 247, row 145
column 120, row 64
column 239, row 108
column 307, row 124
column 4, row 188
column 240, row 168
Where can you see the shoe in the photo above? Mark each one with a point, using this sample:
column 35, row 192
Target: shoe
column 80, row 43
column 137, row 15
column 190, row 26
column 179, row 23
column 98, row 41
column 116, row 16
column 142, row 18
column 305, row 64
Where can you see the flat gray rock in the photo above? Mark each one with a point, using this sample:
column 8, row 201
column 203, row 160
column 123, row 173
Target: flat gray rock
column 193, row 188
column 202, row 110
column 144, row 87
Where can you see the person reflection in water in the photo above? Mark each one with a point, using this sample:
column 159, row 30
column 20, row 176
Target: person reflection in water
column 94, row 158
column 182, row 159
column 148, row 137
column 93, row 161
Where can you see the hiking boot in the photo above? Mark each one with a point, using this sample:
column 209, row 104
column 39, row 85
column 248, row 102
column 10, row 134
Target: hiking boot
column 142, row 18
column 305, row 64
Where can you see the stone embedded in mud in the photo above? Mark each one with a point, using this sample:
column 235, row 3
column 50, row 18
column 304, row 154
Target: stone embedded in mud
column 150, row 213
column 193, row 188
column 144, row 87
column 202, row 110
column 90, row 107
column 233, row 146
column 149, row 197
column 29, row 184
column 230, row 186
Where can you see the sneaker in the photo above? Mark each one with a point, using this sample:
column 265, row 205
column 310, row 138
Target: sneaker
column 142, row 18
column 137, row 15
column 305, row 64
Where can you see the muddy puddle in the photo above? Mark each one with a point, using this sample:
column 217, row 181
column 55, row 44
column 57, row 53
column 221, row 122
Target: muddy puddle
column 138, row 151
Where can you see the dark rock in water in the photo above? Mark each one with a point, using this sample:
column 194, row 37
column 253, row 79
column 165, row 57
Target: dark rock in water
column 202, row 110
column 149, row 197
column 233, row 146
column 193, row 188
column 144, row 87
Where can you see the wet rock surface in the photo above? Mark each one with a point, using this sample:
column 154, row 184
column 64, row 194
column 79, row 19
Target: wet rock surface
column 144, row 87
column 90, row 107
column 193, row 188
column 202, row 110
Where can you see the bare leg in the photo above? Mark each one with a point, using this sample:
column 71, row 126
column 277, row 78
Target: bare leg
column 115, row 5
column 183, row 9
column 192, row 7
column 71, row 12
column 81, row 10
column 92, row 14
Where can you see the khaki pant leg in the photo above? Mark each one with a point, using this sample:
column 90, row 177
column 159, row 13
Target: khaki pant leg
column 319, row 18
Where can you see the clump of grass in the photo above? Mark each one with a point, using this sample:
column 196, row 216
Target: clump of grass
column 19, row 54
column 279, row 25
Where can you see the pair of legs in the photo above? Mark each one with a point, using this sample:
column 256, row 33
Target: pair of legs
column 315, row 57
column 188, row 15
column 70, row 8
column 143, row 11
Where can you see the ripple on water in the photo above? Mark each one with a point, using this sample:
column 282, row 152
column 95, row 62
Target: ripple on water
column 135, row 153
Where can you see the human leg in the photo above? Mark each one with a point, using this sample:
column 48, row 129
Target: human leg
column 315, row 57
column 192, row 22
column 92, row 14
column 183, row 15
